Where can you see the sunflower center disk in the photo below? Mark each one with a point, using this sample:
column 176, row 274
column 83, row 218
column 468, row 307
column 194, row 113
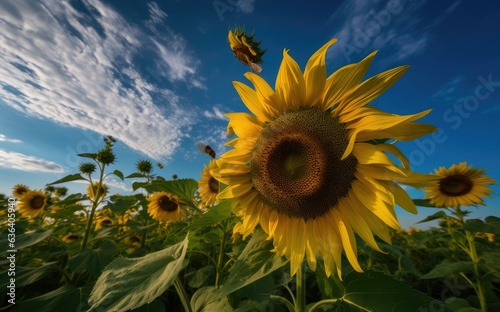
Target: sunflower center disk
column 166, row 204
column 37, row 202
column 296, row 166
column 455, row 185
column 213, row 185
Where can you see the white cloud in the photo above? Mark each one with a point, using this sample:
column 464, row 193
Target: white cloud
column 18, row 161
column 245, row 6
column 392, row 26
column 216, row 114
column 82, row 71
column 156, row 14
column 3, row 138
column 448, row 88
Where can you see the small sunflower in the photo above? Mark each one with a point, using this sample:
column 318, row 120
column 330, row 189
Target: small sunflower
column 209, row 186
column 102, row 222
column 32, row 203
column 19, row 189
column 245, row 49
column 133, row 240
column 71, row 237
column 460, row 185
column 165, row 207
column 92, row 191
column 305, row 165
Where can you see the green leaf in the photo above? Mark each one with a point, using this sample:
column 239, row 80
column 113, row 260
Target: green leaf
column 69, row 178
column 155, row 306
column 202, row 301
column 215, row 214
column 447, row 267
column 437, row 215
column 88, row 155
column 423, row 203
column 120, row 204
column 460, row 305
column 131, row 283
column 26, row 240
column 200, row 276
column 255, row 262
column 26, row 276
column 71, row 199
column 92, row 260
column 490, row 225
column 375, row 291
column 136, row 175
column 47, row 302
column 183, row 188
column 118, row 173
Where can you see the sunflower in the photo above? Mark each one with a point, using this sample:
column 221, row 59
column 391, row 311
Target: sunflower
column 92, row 191
column 245, row 49
column 71, row 237
column 133, row 240
column 103, row 221
column 32, row 203
column 209, row 186
column 165, row 207
column 19, row 189
column 460, row 185
column 306, row 167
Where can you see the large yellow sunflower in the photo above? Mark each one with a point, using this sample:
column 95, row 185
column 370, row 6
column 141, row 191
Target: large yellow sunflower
column 32, row 203
column 460, row 185
column 165, row 207
column 306, row 167
column 209, row 186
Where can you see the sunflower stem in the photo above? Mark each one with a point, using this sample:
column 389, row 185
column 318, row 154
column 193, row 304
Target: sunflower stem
column 221, row 254
column 284, row 301
column 95, row 202
column 322, row 302
column 182, row 294
column 300, row 295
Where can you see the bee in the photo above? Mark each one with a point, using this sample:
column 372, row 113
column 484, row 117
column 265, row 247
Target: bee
column 160, row 166
column 206, row 149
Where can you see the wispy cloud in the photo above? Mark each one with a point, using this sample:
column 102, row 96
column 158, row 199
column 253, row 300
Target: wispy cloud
column 394, row 26
column 3, row 138
column 245, row 6
column 215, row 114
column 448, row 88
column 84, row 70
column 18, row 161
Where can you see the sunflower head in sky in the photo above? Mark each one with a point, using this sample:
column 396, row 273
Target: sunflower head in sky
column 459, row 185
column 305, row 165
column 32, row 203
column 246, row 50
column 19, row 189
column 209, row 186
column 165, row 207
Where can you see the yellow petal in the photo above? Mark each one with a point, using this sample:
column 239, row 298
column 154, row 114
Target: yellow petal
column 265, row 94
column 298, row 244
column 233, row 191
column 370, row 89
column 315, row 75
column 290, row 86
column 348, row 241
column 251, row 100
column 244, row 125
column 343, row 80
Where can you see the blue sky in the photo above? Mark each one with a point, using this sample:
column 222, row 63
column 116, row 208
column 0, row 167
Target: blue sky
column 157, row 76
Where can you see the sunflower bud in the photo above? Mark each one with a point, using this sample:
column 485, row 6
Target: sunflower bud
column 87, row 168
column 245, row 49
column 144, row 166
column 106, row 156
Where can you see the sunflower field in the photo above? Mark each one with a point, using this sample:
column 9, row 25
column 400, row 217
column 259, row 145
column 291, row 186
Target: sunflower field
column 299, row 214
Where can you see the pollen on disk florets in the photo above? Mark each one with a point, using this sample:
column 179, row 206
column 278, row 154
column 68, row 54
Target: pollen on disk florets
column 296, row 165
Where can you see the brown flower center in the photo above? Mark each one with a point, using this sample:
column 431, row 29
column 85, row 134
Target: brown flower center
column 167, row 204
column 455, row 185
column 296, row 166
column 213, row 185
column 37, row 202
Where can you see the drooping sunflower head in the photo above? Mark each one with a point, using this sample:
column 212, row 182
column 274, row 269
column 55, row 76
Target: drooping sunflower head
column 92, row 192
column 19, row 190
column 305, row 165
column 246, row 50
column 32, row 203
column 132, row 240
column 209, row 186
column 71, row 237
column 165, row 207
column 103, row 221
column 459, row 185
